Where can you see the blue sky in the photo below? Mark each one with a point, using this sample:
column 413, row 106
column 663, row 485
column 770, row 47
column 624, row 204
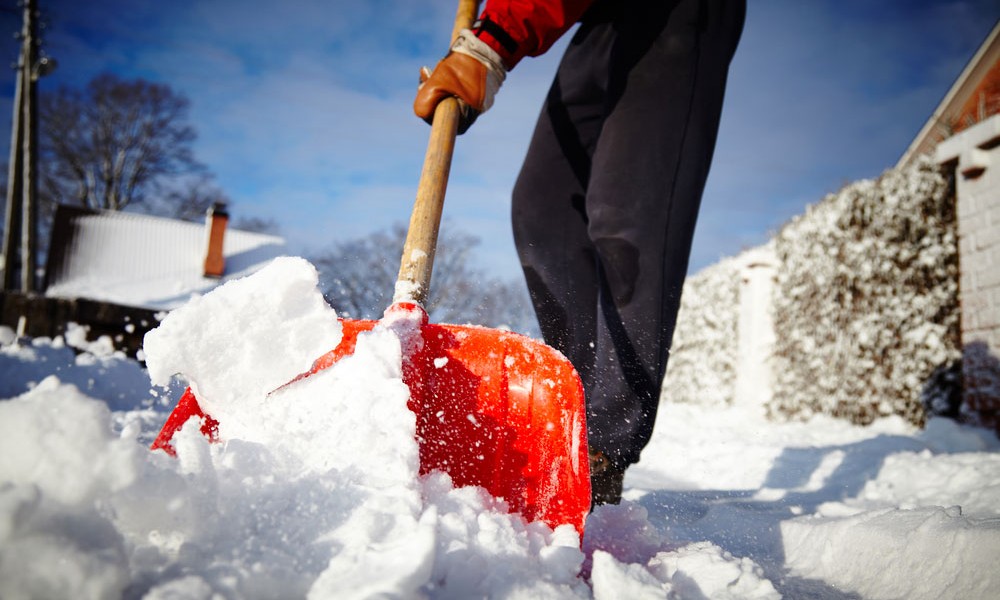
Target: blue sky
column 303, row 107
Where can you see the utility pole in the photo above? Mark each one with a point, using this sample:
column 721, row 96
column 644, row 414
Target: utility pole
column 21, row 224
column 13, row 217
column 29, row 160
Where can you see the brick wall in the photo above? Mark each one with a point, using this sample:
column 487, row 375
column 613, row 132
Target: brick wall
column 975, row 155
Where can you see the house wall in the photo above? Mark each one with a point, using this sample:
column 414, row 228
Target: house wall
column 975, row 155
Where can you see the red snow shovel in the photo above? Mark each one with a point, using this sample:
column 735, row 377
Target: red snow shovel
column 494, row 408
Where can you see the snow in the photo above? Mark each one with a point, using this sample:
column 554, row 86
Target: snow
column 315, row 491
column 895, row 541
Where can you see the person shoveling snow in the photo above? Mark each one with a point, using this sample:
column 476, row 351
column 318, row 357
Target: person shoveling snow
column 493, row 408
column 606, row 201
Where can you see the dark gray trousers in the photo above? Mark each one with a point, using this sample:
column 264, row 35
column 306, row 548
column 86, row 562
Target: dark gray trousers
column 605, row 206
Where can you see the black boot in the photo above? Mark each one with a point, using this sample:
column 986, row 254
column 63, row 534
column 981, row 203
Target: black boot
column 605, row 480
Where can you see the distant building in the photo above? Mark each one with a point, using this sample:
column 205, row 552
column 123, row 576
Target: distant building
column 149, row 262
column 117, row 272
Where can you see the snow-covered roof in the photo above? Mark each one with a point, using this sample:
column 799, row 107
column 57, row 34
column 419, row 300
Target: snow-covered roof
column 141, row 260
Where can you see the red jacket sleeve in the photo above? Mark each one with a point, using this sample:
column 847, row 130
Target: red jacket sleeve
column 519, row 28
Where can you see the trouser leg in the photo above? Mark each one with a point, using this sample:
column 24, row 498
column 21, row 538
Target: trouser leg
column 604, row 234
column 549, row 209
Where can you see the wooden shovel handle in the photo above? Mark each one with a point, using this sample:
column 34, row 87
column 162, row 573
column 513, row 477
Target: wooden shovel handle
column 414, row 280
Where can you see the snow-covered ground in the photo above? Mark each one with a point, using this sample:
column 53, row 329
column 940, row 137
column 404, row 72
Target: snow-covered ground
column 315, row 492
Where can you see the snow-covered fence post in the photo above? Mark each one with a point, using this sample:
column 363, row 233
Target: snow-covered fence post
column 975, row 155
column 723, row 343
column 755, row 327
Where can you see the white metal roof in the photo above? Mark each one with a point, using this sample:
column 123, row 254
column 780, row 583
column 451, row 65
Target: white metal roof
column 152, row 262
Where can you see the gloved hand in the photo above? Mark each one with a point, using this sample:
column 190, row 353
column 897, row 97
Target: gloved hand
column 472, row 71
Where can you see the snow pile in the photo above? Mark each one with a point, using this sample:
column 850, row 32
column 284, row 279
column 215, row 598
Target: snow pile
column 898, row 521
column 246, row 339
column 826, row 508
column 846, row 551
column 315, row 493
column 867, row 303
column 95, row 368
column 703, row 354
column 632, row 559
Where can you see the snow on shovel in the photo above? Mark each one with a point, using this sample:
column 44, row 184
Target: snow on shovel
column 494, row 408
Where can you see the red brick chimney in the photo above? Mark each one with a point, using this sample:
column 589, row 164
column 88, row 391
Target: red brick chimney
column 215, row 220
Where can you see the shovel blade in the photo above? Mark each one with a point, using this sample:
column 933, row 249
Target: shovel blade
column 493, row 408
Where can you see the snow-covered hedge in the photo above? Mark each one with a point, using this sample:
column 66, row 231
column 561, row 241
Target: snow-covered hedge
column 866, row 305
column 703, row 356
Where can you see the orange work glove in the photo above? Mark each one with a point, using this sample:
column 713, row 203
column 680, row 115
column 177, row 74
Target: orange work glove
column 472, row 72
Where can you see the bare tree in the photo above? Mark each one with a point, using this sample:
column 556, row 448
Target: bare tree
column 107, row 146
column 186, row 198
column 358, row 278
column 189, row 198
